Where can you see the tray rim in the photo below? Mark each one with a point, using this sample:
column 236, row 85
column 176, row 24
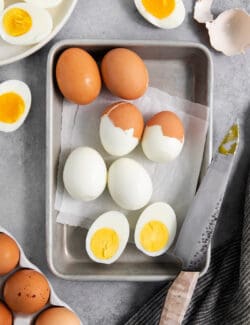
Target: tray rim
column 49, row 148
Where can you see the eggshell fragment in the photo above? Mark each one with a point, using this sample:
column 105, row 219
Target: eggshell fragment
column 202, row 11
column 230, row 32
column 57, row 316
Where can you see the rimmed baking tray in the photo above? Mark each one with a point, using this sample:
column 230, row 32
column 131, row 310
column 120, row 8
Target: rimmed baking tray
column 189, row 74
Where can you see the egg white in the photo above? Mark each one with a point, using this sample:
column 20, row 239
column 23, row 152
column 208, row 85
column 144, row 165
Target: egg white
column 158, row 211
column 44, row 3
column 20, row 88
column 42, row 25
column 114, row 220
column 1, row 5
column 158, row 147
column 129, row 184
column 115, row 140
column 174, row 20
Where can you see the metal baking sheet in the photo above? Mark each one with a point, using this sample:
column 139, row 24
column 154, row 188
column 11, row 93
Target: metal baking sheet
column 189, row 74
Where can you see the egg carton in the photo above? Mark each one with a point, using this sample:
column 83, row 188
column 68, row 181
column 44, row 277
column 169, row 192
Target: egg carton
column 54, row 300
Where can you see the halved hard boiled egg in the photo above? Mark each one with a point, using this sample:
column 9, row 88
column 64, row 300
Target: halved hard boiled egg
column 44, row 3
column 15, row 103
column 155, row 229
column 121, row 128
column 107, row 237
column 162, row 13
column 25, row 24
column 163, row 137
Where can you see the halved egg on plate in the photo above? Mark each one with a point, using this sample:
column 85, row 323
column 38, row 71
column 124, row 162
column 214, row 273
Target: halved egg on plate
column 15, row 102
column 25, row 24
column 162, row 13
column 155, row 229
column 44, row 3
column 107, row 237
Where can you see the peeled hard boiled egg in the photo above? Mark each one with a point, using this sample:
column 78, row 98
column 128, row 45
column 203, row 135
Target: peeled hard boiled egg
column 85, row 174
column 155, row 229
column 107, row 237
column 162, row 13
column 129, row 184
column 163, row 137
column 44, row 3
column 121, row 128
column 15, row 102
column 25, row 24
column 57, row 316
column 124, row 73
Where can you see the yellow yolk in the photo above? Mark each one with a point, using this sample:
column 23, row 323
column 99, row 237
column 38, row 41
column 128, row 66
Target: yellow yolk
column 154, row 236
column 159, row 8
column 12, row 107
column 17, row 22
column 104, row 243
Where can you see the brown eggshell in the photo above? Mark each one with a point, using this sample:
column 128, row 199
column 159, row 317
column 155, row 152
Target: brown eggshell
column 170, row 123
column 78, row 76
column 5, row 315
column 26, row 291
column 126, row 116
column 9, row 254
column 124, row 73
column 57, row 316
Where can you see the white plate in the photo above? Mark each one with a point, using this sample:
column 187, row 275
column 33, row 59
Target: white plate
column 60, row 14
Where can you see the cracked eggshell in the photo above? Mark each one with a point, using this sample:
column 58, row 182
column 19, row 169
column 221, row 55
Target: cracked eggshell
column 229, row 32
column 202, row 11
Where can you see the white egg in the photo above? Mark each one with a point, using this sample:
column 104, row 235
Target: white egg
column 15, row 103
column 155, row 229
column 25, row 24
column 164, row 14
column 85, row 174
column 44, row 3
column 1, row 5
column 129, row 184
column 107, row 237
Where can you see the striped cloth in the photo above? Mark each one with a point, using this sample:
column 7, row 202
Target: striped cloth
column 222, row 296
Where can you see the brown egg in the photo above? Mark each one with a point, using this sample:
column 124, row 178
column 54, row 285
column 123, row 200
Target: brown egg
column 26, row 291
column 9, row 254
column 5, row 315
column 57, row 316
column 78, row 76
column 124, row 73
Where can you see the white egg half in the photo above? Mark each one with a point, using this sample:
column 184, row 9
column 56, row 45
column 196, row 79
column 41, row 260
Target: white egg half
column 44, row 3
column 1, row 5
column 161, row 13
column 15, row 103
column 25, row 24
column 158, row 147
column 107, row 237
column 115, row 140
column 129, row 184
column 85, row 174
column 155, row 229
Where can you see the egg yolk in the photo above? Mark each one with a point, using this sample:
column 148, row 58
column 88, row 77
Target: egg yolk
column 154, row 236
column 104, row 243
column 17, row 22
column 159, row 8
column 12, row 107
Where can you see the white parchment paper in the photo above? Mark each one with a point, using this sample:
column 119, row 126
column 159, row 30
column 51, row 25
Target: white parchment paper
column 174, row 182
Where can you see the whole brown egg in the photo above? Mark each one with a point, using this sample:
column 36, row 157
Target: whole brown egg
column 9, row 254
column 5, row 315
column 57, row 316
column 78, row 76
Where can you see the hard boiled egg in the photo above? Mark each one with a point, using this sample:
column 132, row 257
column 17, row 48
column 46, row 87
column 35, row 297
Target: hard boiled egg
column 121, row 128
column 156, row 229
column 15, row 102
column 163, row 137
column 85, row 174
column 44, row 3
column 162, row 13
column 25, row 24
column 107, row 237
column 129, row 184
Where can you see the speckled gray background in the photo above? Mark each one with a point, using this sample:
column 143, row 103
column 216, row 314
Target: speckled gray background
column 22, row 154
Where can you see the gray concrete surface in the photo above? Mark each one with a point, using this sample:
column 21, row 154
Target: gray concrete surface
column 22, row 154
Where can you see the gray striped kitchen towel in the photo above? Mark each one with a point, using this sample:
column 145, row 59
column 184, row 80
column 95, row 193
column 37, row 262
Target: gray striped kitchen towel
column 222, row 296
